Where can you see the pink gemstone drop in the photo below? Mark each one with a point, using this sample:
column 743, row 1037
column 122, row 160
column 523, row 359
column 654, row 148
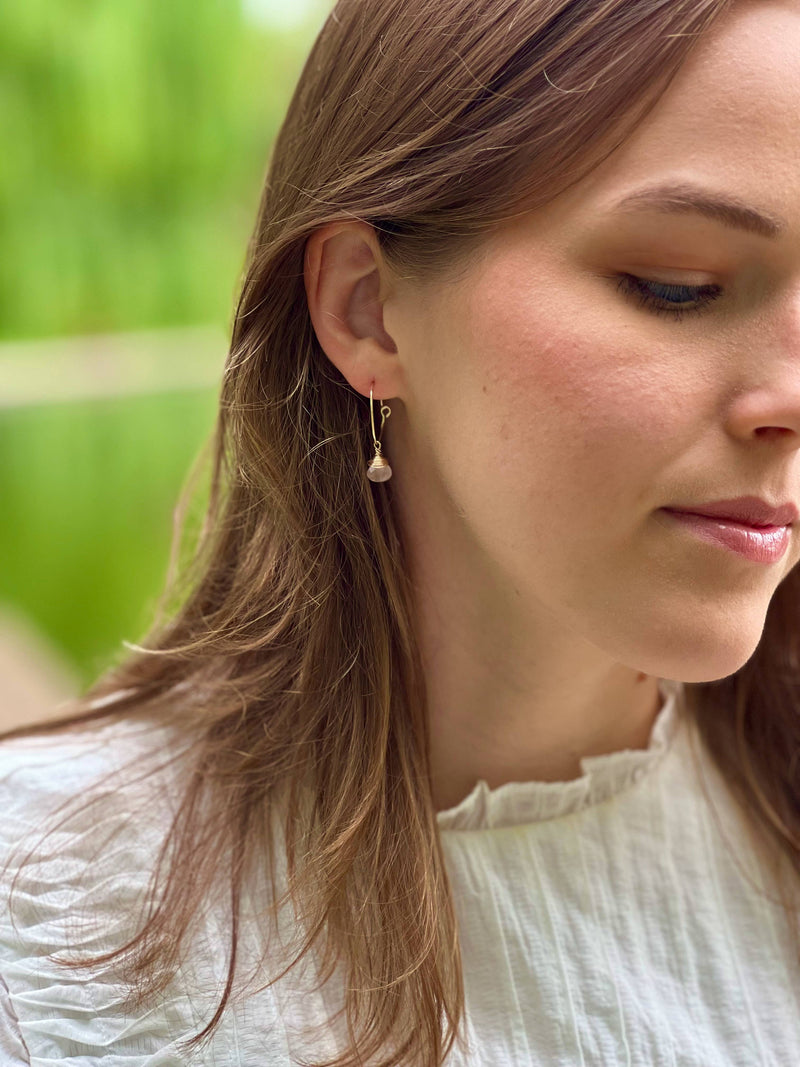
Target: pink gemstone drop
column 380, row 473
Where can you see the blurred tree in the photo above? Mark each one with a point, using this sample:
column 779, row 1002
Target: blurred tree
column 135, row 136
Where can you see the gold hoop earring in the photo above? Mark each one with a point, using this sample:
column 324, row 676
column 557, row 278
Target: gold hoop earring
column 379, row 469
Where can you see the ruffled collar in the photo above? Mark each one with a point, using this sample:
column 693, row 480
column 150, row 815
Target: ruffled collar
column 604, row 776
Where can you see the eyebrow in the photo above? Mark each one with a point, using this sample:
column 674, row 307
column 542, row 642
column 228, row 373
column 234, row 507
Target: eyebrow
column 681, row 198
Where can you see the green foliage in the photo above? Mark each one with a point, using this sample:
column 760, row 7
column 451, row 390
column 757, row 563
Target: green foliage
column 91, row 490
column 135, row 139
column 136, row 135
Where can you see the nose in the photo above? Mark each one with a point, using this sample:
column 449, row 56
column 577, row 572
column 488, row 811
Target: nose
column 765, row 408
column 769, row 414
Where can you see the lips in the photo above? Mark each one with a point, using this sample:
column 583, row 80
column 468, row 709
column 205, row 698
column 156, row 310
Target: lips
column 759, row 544
column 746, row 510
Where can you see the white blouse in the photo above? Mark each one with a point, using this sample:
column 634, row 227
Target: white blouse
column 610, row 921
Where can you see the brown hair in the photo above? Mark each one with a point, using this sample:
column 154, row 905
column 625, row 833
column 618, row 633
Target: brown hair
column 288, row 658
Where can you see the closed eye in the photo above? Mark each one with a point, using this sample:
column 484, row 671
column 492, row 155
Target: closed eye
column 668, row 299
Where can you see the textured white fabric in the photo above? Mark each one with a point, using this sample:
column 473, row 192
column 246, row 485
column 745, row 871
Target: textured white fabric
column 605, row 922
column 12, row 1047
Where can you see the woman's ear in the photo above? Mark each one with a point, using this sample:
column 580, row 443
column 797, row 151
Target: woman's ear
column 346, row 282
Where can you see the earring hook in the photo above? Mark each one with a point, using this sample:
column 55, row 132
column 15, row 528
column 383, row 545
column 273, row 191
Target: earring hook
column 379, row 469
column 385, row 412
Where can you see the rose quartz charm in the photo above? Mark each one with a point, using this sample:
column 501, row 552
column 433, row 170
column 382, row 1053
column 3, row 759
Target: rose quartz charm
column 379, row 470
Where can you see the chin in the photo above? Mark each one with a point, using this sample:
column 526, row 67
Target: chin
column 708, row 652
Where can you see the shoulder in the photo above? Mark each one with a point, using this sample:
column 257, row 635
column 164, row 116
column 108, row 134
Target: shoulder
column 74, row 785
column 79, row 835
column 49, row 766
column 81, row 804
column 84, row 817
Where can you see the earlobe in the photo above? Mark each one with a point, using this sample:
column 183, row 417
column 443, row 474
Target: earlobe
column 342, row 273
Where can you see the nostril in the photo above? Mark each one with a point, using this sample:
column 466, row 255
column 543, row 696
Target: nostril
column 772, row 431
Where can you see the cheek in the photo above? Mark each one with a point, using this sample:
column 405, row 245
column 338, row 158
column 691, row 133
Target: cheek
column 570, row 402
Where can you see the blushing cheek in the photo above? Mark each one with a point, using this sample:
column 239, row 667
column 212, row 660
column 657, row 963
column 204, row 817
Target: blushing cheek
column 583, row 422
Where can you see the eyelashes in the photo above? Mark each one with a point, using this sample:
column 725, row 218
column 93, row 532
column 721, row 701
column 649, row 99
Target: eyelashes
column 661, row 298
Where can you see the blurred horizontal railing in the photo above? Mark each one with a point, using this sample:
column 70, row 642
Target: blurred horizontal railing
column 58, row 370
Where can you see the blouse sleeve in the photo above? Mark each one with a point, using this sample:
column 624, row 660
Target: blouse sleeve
column 12, row 1048
column 80, row 890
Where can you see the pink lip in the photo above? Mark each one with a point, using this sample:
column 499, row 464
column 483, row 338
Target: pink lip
column 762, row 544
column 745, row 510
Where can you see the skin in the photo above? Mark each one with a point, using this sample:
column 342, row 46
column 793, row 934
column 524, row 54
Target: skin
column 541, row 417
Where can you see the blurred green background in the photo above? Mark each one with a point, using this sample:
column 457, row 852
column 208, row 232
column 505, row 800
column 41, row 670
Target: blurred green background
column 135, row 140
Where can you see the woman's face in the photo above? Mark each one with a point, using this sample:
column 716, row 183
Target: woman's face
column 557, row 413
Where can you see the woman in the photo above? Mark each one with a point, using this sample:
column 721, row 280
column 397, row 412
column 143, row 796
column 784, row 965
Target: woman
column 492, row 761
